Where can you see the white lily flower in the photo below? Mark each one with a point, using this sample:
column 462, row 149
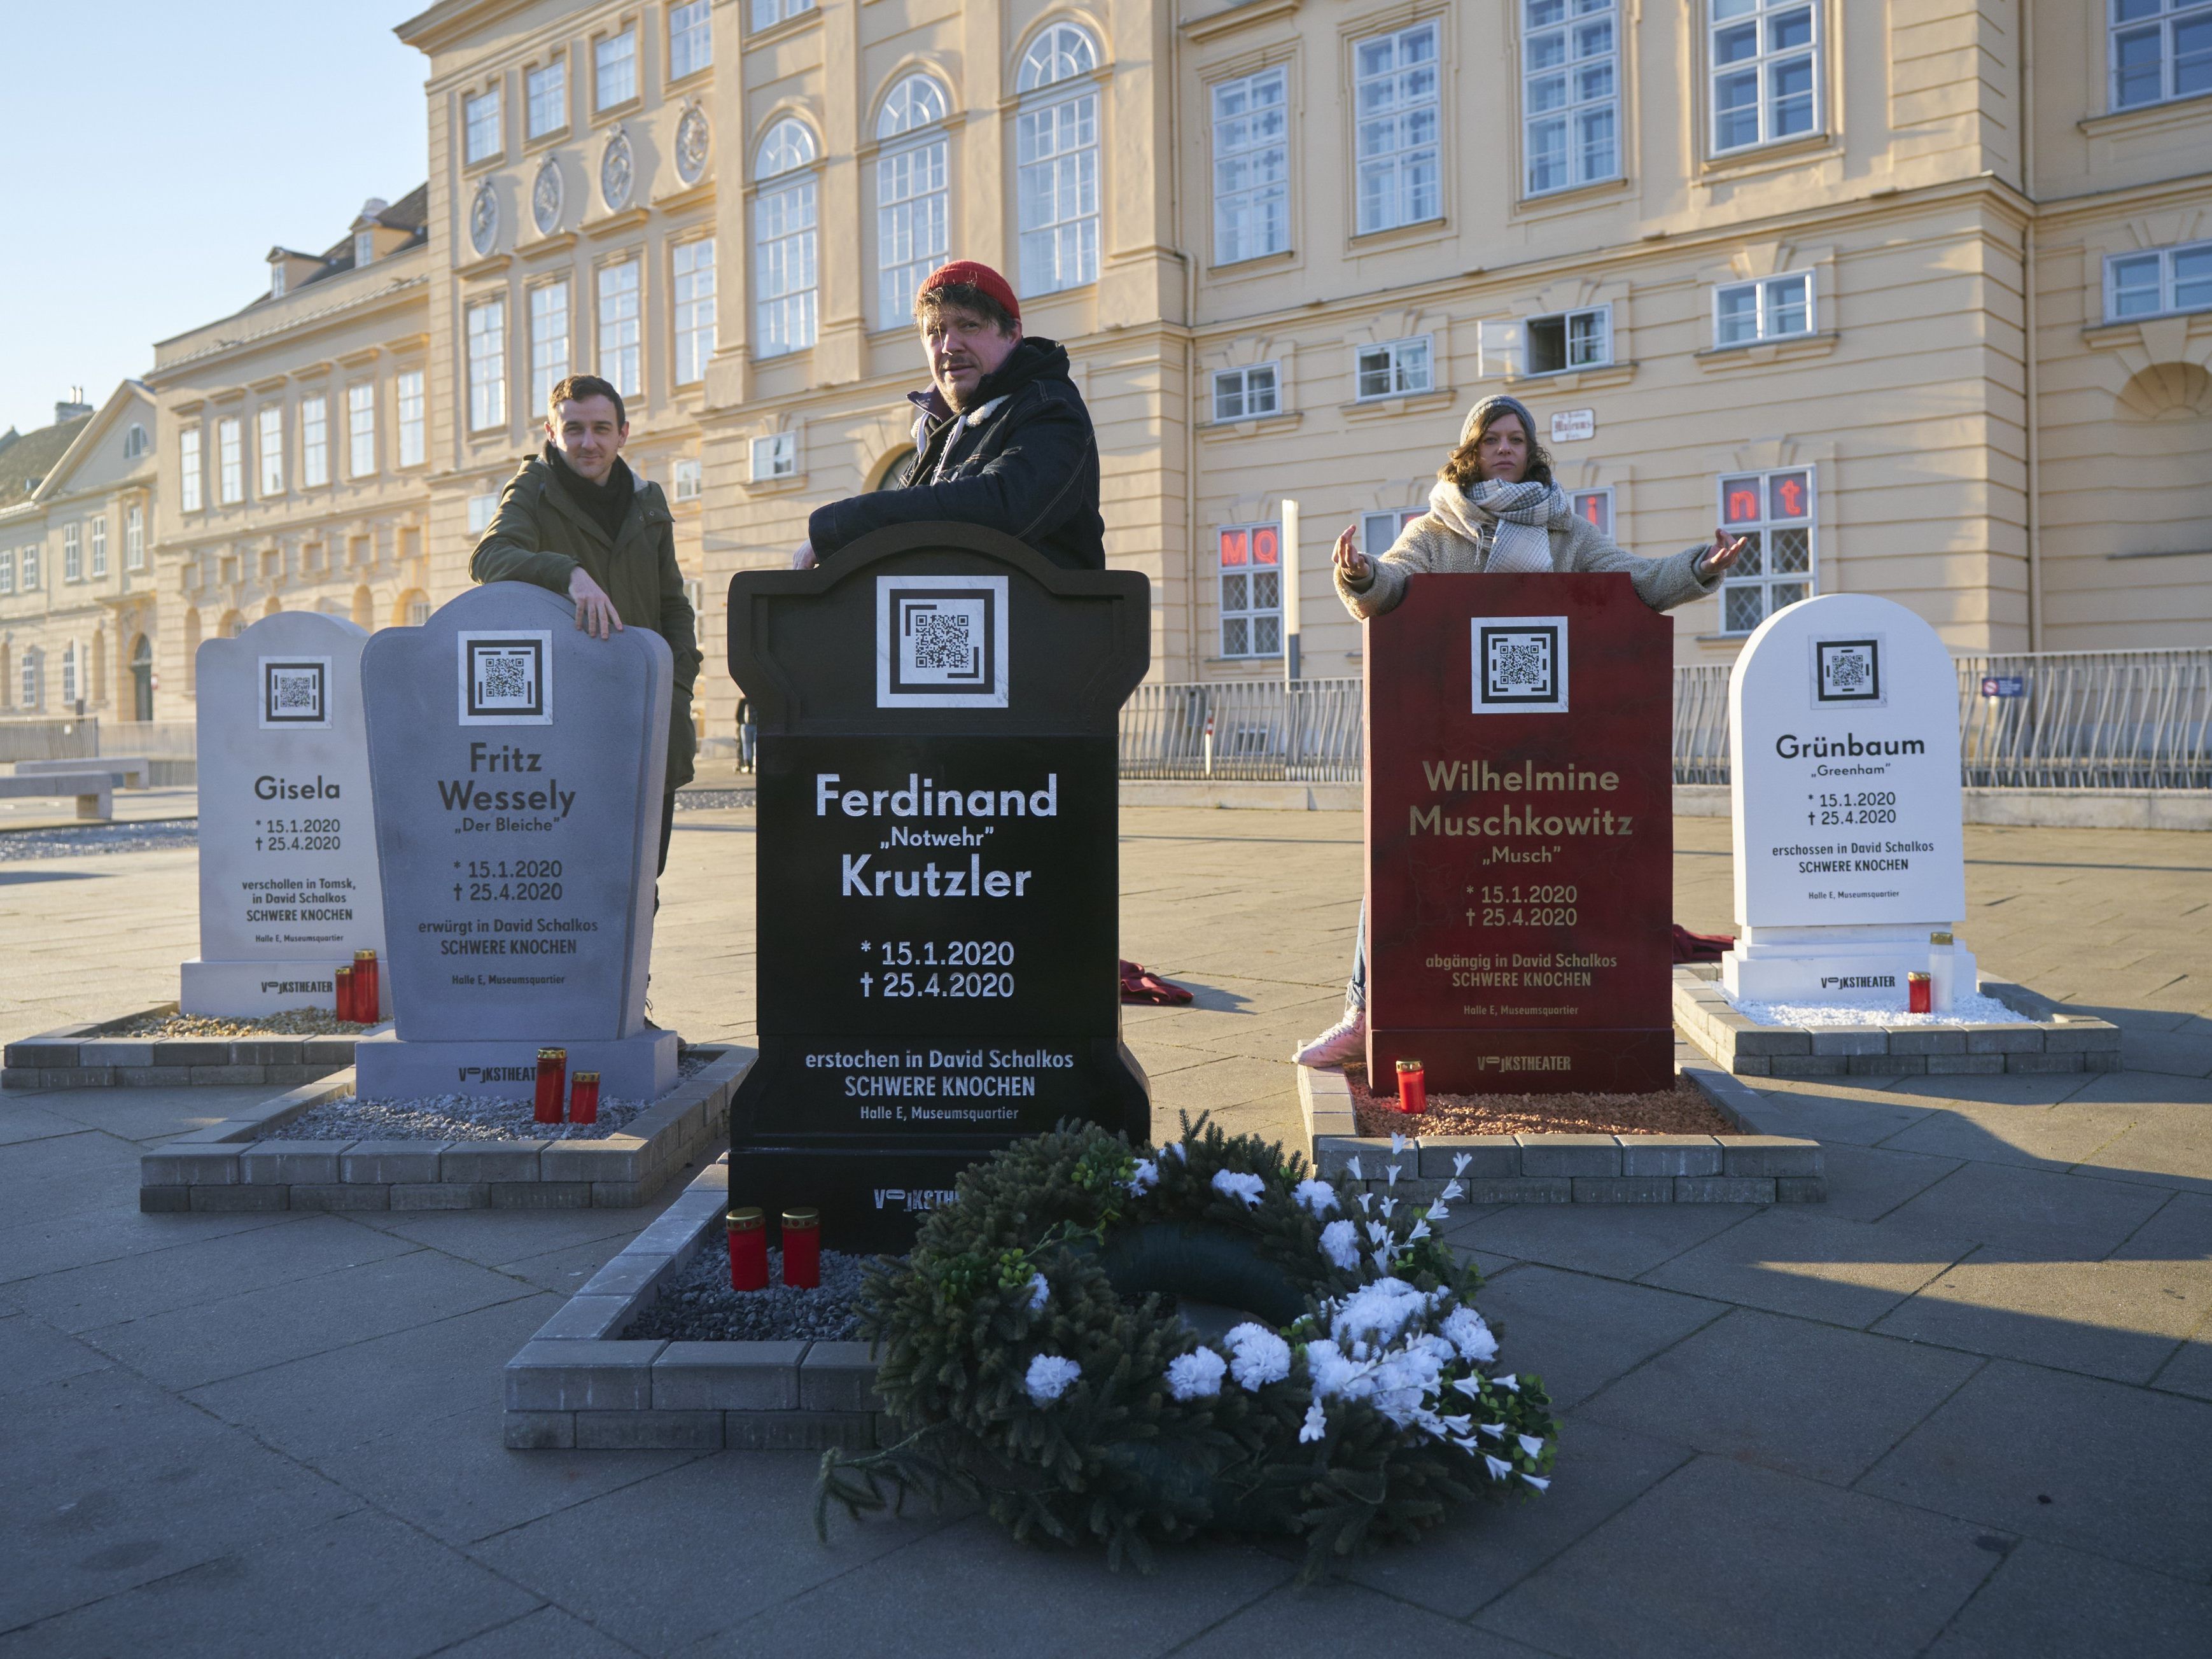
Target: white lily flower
column 1541, row 1482
column 1460, row 1160
column 1420, row 1231
column 1397, row 1144
column 1314, row 1426
column 1367, row 1202
column 1376, row 1232
column 1499, row 1469
column 1438, row 1212
column 1040, row 1292
column 1510, row 1382
column 1532, row 1445
column 1391, row 1175
column 1452, row 1193
column 1389, row 1206
column 1495, row 1430
column 1469, row 1386
column 1352, row 1169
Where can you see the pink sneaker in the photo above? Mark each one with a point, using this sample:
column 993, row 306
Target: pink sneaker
column 1343, row 1042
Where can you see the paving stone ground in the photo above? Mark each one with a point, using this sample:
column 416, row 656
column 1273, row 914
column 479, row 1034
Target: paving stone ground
column 1964, row 1408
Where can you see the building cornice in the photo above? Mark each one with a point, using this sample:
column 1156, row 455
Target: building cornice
column 406, row 291
column 433, row 30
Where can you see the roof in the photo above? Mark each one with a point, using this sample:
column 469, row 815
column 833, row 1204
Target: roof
column 24, row 463
column 411, row 213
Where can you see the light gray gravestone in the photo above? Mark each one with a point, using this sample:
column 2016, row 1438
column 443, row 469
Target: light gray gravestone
column 519, row 764
column 287, row 841
column 1843, row 762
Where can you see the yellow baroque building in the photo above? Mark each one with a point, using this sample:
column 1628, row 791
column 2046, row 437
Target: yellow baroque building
column 1917, row 296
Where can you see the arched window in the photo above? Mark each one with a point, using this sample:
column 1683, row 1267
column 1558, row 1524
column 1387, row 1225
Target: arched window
column 142, row 679
column 1056, row 161
column 233, row 624
column 914, row 221
column 784, row 239
column 34, row 689
column 134, row 442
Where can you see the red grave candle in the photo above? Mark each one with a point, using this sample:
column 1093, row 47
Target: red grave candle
column 345, row 999
column 583, row 1098
column 748, row 1249
column 802, row 1248
column 1919, row 994
column 368, row 987
column 1412, row 1087
column 552, row 1083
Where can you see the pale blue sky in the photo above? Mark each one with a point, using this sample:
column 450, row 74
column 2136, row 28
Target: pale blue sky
column 162, row 148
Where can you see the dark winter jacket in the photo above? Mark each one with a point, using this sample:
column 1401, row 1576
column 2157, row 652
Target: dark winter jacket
column 542, row 531
column 1023, row 460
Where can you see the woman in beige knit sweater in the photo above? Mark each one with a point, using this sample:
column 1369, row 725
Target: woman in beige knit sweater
column 1494, row 508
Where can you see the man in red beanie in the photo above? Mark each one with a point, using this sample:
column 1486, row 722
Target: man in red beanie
column 1001, row 439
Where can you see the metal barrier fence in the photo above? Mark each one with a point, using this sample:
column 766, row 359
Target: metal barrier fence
column 2056, row 719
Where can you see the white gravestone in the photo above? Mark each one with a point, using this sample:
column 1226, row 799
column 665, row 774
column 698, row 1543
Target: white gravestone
column 286, row 841
column 1844, row 761
column 519, row 765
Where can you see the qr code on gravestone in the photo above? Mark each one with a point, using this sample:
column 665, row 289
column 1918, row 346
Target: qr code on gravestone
column 506, row 679
column 293, row 691
column 941, row 641
column 1847, row 671
column 942, row 638
column 1520, row 664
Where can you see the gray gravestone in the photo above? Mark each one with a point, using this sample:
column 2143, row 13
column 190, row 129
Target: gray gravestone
column 519, row 764
column 286, row 842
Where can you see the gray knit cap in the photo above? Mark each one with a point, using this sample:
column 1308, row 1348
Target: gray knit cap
column 1498, row 402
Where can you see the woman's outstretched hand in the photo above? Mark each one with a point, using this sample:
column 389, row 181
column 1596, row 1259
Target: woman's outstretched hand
column 1720, row 556
column 1350, row 563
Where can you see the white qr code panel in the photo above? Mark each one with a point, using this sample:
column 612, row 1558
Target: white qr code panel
column 507, row 678
column 1848, row 670
column 1520, row 664
column 296, row 693
column 941, row 642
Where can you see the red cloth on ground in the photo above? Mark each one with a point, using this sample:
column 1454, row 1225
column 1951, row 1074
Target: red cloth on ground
column 1699, row 947
column 1141, row 984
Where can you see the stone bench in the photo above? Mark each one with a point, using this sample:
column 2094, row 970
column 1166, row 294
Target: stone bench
column 95, row 792
column 129, row 771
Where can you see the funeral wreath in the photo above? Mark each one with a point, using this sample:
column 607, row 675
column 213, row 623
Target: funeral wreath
column 1031, row 1346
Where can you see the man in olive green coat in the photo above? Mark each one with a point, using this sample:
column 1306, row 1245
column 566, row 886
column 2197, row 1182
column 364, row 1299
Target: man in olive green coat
column 575, row 519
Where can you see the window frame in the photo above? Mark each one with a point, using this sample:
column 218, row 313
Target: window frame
column 1759, row 285
column 1223, row 254
column 1045, row 88
column 784, row 11
column 96, row 546
column 1250, row 612
column 361, row 428
column 134, row 537
column 1243, row 373
column 1765, row 579
column 691, row 315
column 6, row 570
column 686, row 478
column 618, row 319
column 1427, row 342
column 1761, row 61
column 1406, row 200
column 230, row 461
column 192, row 465
column 1568, row 114
column 1399, row 517
column 2167, row 282
column 31, row 565
column 601, row 104
column 72, row 553
column 483, row 339
column 408, row 389
column 904, row 140
column 2170, row 13
column 269, row 450
column 315, row 448
column 473, row 125
column 544, row 373
column 1603, row 493
column 1566, row 320
column 556, row 65
column 786, row 320
column 782, row 451
column 700, row 28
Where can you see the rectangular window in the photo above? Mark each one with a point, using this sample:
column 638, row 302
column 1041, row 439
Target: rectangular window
column 269, row 438
column 1251, row 167
column 134, row 537
column 1056, row 191
column 360, row 429
column 547, row 97
column 783, row 234
column 6, row 570
column 1571, row 93
column 1395, row 111
column 614, row 65
column 188, row 469
column 68, row 673
column 686, row 474
column 1244, row 394
column 487, row 365
column 695, row 309
column 481, row 510
column 1378, row 531
column 1766, row 66
column 690, row 44
column 767, row 13
column 99, row 545
column 72, row 554
column 314, row 442
column 30, row 677
column 549, row 343
column 913, row 226
column 408, row 390
column 1396, row 368
column 2158, row 282
column 1594, row 508
column 621, row 333
column 1773, row 513
column 480, row 126
column 2160, row 49
column 1772, row 308
column 32, row 554
column 1569, row 339
column 1251, row 590
column 230, row 461
column 775, row 456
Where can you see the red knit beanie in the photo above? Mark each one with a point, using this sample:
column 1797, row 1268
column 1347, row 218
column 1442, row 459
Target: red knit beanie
column 976, row 275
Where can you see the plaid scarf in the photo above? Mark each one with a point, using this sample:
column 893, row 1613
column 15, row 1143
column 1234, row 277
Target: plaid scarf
column 1509, row 521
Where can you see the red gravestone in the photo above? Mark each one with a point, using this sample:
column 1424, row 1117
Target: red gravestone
column 1520, row 836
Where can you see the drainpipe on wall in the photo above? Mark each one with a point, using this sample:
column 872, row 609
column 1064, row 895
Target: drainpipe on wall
column 2028, row 352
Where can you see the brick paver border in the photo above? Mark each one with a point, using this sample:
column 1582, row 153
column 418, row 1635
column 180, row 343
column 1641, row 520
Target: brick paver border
column 83, row 1057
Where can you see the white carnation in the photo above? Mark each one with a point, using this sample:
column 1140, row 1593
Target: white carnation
column 1230, row 1184
column 1257, row 1357
column 1340, row 1244
column 1196, row 1376
column 1318, row 1196
column 1048, row 1378
column 1464, row 1329
column 1146, row 1177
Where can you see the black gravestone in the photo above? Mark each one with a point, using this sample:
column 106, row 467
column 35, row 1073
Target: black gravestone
column 938, row 867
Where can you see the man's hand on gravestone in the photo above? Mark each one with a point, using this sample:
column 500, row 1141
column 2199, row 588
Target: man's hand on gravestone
column 802, row 557
column 595, row 611
column 1350, row 563
column 1720, row 556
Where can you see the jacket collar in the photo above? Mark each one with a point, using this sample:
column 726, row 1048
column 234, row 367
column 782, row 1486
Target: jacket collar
column 573, row 511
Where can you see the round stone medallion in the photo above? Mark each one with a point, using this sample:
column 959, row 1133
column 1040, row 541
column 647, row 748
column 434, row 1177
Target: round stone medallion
column 692, row 139
column 618, row 171
column 484, row 219
column 546, row 197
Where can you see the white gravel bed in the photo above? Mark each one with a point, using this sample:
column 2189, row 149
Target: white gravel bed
column 169, row 835
column 447, row 1117
column 699, row 1306
column 1967, row 1008
column 292, row 1023
column 713, row 800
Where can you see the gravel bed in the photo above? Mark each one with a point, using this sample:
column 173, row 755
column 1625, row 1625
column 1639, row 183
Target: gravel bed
column 713, row 800
column 1967, row 1008
column 170, row 835
column 292, row 1023
column 699, row 1305
column 1681, row 1110
column 447, row 1117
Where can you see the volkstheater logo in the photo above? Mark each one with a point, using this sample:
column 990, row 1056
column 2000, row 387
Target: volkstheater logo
column 495, row 1073
column 507, row 677
column 914, row 1199
column 1520, row 664
column 940, row 641
column 1524, row 1063
column 296, row 693
column 1848, row 670
column 1858, row 981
